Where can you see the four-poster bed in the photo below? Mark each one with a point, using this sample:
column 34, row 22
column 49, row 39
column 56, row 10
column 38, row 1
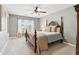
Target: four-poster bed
column 41, row 39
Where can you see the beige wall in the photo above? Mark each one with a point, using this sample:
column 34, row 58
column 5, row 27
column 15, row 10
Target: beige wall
column 70, row 23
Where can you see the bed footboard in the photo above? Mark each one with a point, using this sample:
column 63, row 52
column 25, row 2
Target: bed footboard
column 35, row 48
column 35, row 38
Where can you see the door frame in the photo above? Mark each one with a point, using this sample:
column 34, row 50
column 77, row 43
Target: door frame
column 77, row 37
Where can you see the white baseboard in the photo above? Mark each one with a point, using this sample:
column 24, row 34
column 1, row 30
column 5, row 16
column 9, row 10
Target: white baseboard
column 13, row 37
column 70, row 44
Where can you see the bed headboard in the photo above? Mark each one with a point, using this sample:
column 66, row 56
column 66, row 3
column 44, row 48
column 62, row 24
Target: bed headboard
column 54, row 26
column 52, row 23
column 58, row 26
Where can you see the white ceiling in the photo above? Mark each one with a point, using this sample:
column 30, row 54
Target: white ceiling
column 27, row 9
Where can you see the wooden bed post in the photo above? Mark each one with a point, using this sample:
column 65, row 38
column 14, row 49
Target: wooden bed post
column 77, row 38
column 35, row 48
column 26, row 34
column 61, row 30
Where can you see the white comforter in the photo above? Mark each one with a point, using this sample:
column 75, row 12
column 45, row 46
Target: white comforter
column 52, row 36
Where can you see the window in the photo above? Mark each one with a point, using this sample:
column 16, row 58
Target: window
column 23, row 24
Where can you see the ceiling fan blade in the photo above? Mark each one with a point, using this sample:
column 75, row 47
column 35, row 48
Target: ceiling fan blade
column 36, row 8
column 41, row 11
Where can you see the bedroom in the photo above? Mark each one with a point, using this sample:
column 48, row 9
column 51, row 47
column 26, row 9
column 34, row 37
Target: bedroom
column 18, row 15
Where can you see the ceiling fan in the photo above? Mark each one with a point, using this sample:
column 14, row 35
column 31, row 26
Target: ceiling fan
column 37, row 11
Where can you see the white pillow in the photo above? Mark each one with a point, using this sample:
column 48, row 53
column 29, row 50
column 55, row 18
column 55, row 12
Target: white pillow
column 52, row 28
column 47, row 29
column 58, row 30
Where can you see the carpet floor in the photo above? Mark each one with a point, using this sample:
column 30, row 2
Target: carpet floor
column 18, row 46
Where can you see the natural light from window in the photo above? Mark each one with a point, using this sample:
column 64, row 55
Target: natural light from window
column 25, row 24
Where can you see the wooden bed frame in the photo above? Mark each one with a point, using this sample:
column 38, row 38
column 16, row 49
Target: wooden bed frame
column 35, row 35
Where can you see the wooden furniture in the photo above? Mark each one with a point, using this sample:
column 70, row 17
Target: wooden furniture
column 35, row 48
column 77, row 38
column 62, row 29
column 35, row 35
